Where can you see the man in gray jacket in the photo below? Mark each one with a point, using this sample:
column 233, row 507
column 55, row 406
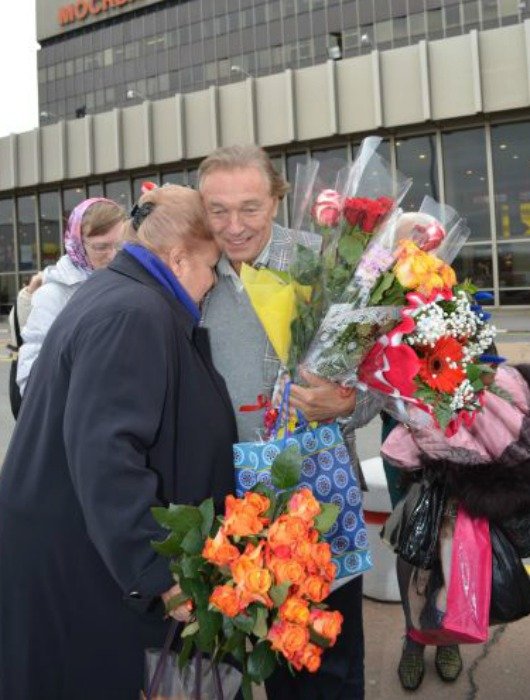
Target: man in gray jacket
column 241, row 192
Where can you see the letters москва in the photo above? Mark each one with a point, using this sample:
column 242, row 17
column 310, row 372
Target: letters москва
column 80, row 10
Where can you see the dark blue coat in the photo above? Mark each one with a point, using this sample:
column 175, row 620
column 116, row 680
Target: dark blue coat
column 123, row 411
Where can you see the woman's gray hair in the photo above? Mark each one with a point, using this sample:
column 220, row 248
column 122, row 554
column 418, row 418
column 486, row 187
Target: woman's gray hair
column 250, row 156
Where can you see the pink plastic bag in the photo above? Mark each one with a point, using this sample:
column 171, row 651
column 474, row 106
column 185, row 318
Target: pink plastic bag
column 450, row 603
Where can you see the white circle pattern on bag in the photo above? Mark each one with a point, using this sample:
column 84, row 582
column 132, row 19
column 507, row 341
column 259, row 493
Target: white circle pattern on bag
column 265, row 478
column 309, row 442
column 239, row 456
column 339, row 544
column 340, row 477
column 349, row 521
column 323, row 485
column 325, row 460
column 342, row 455
column 338, row 500
column 327, row 437
column 247, row 478
column 352, row 562
column 353, row 496
column 309, row 467
column 361, row 539
column 270, row 453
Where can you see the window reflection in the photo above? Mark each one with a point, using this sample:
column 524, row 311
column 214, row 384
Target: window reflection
column 293, row 161
column 27, row 233
column 511, row 168
column 475, row 262
column 514, row 265
column 139, row 181
column 465, row 173
column 119, row 192
column 8, row 292
column 49, row 228
column 71, row 198
column 7, row 236
column 416, row 158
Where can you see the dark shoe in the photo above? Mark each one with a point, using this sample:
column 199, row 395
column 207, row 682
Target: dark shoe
column 448, row 662
column 411, row 668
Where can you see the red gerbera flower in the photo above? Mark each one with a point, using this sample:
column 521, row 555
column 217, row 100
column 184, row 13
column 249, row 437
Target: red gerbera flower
column 437, row 366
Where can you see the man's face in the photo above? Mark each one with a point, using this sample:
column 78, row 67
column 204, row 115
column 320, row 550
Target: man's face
column 240, row 211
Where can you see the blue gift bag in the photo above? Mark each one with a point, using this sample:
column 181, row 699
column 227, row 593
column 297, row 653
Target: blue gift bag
column 327, row 471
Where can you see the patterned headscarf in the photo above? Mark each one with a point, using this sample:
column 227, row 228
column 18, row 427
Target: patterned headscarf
column 73, row 238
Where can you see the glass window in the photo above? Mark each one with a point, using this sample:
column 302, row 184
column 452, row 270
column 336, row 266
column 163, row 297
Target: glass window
column 27, row 232
column 119, row 191
column 511, row 169
column 138, row 181
column 108, row 57
column 466, row 186
column 71, row 198
column 49, row 227
column 173, row 178
column 331, row 161
column 475, row 262
column 8, row 292
column 509, row 7
column 416, row 158
column 193, row 176
column 514, row 266
column 7, row 236
column 95, row 189
column 293, row 160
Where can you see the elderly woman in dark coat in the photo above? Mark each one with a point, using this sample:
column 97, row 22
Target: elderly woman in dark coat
column 124, row 411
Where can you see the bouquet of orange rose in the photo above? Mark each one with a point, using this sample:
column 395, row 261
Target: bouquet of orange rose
column 260, row 571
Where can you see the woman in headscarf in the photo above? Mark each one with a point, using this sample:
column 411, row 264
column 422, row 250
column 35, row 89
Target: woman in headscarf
column 124, row 412
column 91, row 239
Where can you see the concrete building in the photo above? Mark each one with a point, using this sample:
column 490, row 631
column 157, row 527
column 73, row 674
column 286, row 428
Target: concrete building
column 143, row 89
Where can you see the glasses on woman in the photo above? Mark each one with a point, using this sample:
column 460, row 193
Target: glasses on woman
column 101, row 247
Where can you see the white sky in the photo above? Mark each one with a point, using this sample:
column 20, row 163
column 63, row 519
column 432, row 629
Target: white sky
column 18, row 67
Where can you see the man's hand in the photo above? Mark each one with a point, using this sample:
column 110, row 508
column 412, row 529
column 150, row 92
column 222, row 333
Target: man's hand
column 183, row 612
column 322, row 399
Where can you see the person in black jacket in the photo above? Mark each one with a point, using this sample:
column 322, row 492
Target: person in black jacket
column 124, row 411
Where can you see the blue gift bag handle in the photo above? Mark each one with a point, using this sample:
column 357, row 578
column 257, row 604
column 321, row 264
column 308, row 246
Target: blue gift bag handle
column 284, row 410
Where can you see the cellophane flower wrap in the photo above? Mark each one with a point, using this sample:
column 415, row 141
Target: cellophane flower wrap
column 352, row 217
column 260, row 571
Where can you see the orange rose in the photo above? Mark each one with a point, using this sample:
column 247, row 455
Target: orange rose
column 321, row 554
column 330, row 571
column 327, row 623
column 295, row 610
column 250, row 560
column 242, row 517
column 315, row 588
column 311, row 657
column 258, row 501
column 220, row 550
column 287, row 530
column 421, row 271
column 287, row 571
column 226, row 600
column 304, row 505
column 288, row 638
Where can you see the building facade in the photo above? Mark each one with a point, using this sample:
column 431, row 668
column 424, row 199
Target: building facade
column 452, row 103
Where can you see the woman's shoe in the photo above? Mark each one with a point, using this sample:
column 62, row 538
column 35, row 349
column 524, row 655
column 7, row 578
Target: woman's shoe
column 448, row 662
column 411, row 667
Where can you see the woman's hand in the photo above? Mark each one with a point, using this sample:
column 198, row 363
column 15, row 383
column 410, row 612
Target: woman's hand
column 182, row 613
column 322, row 399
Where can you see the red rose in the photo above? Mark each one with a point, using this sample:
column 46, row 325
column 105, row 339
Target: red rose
column 366, row 214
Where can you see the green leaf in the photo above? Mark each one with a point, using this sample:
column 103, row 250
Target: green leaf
column 499, row 391
column 281, row 502
column 385, row 282
column 193, row 541
column 245, row 623
column 170, row 547
column 279, row 593
column 190, row 629
column 261, row 662
column 325, row 520
column 286, row 468
column 207, row 511
column 176, row 600
column 443, row 414
column 246, row 687
column 179, row 519
column 185, row 652
column 190, row 565
column 210, row 623
column 350, row 249
column 318, row 639
column 260, row 627
column 196, row 589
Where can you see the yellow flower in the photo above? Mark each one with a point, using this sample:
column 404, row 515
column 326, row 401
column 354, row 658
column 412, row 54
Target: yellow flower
column 420, row 271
